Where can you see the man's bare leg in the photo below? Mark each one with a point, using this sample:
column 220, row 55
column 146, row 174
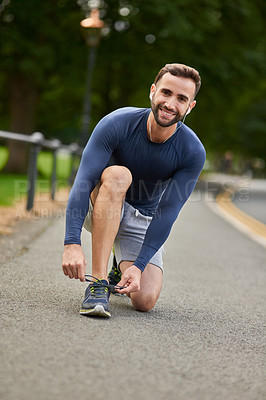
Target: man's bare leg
column 150, row 286
column 107, row 199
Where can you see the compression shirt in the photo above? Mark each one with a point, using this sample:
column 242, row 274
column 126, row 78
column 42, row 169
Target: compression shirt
column 164, row 174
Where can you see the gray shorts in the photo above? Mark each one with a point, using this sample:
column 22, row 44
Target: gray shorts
column 130, row 236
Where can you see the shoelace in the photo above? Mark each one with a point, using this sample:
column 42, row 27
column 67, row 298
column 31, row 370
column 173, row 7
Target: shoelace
column 91, row 278
column 97, row 290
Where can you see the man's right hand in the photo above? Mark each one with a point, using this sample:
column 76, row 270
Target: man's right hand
column 73, row 262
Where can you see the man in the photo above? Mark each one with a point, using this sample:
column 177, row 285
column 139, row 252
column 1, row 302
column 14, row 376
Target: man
column 137, row 171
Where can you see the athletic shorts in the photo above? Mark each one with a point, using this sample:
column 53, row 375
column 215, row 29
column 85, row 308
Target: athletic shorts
column 130, row 236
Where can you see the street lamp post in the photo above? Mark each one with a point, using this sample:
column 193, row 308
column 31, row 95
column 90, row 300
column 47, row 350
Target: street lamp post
column 91, row 29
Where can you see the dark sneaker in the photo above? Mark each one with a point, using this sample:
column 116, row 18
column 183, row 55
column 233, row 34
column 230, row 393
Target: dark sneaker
column 114, row 276
column 96, row 301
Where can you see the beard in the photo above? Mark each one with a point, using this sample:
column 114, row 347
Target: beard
column 155, row 109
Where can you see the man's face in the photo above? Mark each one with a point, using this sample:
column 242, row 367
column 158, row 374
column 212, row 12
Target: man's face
column 172, row 96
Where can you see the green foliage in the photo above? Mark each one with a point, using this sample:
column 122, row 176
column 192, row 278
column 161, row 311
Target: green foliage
column 3, row 157
column 224, row 40
column 45, row 165
column 41, row 41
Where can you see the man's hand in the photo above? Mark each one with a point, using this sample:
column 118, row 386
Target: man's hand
column 130, row 279
column 74, row 263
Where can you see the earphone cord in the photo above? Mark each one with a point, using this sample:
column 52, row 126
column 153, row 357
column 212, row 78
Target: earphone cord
column 93, row 279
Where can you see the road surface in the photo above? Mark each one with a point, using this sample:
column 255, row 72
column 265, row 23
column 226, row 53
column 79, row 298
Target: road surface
column 204, row 340
column 252, row 200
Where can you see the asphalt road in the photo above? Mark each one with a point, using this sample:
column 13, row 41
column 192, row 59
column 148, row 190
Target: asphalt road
column 204, row 340
column 253, row 203
column 249, row 195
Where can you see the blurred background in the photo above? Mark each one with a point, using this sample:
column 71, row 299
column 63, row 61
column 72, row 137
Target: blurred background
column 52, row 81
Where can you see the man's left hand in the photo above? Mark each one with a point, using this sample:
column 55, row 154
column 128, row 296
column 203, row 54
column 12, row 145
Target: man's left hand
column 130, row 280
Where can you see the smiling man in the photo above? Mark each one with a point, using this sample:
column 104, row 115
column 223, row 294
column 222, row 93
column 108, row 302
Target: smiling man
column 137, row 171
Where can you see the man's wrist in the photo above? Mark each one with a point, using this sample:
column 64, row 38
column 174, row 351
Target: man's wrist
column 137, row 268
column 139, row 265
column 67, row 242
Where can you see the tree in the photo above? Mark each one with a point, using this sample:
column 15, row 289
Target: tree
column 36, row 38
column 43, row 48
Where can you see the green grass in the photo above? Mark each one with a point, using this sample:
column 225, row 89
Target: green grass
column 14, row 187
column 3, row 156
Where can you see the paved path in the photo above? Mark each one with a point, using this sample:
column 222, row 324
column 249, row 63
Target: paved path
column 202, row 341
column 252, row 203
column 249, row 195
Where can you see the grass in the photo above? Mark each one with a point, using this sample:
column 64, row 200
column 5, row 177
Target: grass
column 11, row 187
column 14, row 187
column 3, row 156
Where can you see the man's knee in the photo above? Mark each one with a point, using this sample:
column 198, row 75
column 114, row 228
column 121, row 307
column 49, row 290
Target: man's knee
column 143, row 303
column 117, row 173
column 115, row 180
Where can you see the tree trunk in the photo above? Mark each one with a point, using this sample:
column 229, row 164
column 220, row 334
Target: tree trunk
column 23, row 98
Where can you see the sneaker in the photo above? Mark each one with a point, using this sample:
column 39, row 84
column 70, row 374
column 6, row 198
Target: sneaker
column 96, row 301
column 114, row 276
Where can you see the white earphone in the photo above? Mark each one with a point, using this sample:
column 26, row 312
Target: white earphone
column 151, row 96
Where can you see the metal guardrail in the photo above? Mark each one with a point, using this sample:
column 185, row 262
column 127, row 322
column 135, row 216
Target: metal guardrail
column 37, row 141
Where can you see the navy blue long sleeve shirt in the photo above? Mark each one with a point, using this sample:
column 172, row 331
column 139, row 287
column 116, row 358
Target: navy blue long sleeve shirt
column 164, row 174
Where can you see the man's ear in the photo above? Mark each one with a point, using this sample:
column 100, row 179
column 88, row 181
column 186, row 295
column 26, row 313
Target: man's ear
column 152, row 90
column 192, row 105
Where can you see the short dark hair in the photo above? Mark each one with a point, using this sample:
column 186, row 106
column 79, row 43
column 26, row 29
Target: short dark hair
column 181, row 70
